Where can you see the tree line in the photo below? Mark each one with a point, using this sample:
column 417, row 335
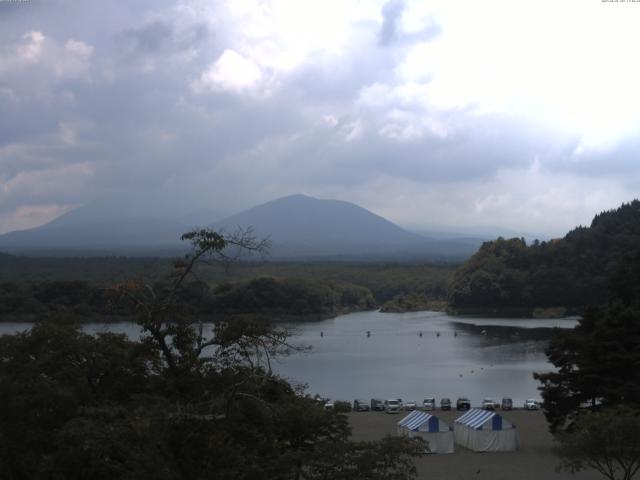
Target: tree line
column 272, row 297
column 570, row 272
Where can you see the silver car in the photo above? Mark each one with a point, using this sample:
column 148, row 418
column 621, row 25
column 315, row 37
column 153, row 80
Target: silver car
column 410, row 405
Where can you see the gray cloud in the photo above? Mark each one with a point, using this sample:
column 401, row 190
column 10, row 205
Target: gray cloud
column 391, row 13
column 109, row 107
column 148, row 39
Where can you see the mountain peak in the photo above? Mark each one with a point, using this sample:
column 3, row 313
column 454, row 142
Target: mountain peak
column 303, row 220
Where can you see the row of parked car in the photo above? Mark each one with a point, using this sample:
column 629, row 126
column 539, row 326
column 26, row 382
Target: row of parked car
column 394, row 405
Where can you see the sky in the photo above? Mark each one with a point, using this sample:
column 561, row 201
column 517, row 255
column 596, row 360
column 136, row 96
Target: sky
column 471, row 116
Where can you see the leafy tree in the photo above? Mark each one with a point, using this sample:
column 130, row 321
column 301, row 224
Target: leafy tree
column 598, row 362
column 182, row 403
column 606, row 441
column 388, row 459
column 49, row 376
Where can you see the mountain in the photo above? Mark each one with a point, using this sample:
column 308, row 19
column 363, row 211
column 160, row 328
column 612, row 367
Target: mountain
column 569, row 273
column 302, row 220
column 305, row 227
column 107, row 237
column 120, row 225
column 300, row 227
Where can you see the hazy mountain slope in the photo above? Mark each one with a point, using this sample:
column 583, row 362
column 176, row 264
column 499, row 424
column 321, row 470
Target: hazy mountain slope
column 118, row 225
column 300, row 227
column 108, row 236
column 299, row 219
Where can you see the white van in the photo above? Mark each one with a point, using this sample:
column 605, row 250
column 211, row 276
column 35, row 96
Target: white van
column 429, row 403
column 393, row 405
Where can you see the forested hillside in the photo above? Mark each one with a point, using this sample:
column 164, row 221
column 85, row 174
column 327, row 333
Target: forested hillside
column 272, row 298
column 33, row 286
column 570, row 272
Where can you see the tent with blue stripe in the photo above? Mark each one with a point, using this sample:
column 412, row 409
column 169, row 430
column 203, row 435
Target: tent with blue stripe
column 485, row 431
column 438, row 434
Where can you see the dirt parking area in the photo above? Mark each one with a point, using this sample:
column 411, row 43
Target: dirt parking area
column 534, row 459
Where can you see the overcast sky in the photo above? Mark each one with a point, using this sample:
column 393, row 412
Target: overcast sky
column 441, row 114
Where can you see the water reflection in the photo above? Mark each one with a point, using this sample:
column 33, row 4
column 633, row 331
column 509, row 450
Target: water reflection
column 453, row 356
column 409, row 355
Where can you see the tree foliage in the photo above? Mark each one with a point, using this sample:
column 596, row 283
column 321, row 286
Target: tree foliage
column 181, row 403
column 606, row 441
column 571, row 272
column 598, row 362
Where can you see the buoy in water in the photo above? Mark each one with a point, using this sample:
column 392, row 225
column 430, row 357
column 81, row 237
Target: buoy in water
column 420, row 334
column 322, row 334
column 368, row 333
column 437, row 334
column 455, row 334
column 483, row 332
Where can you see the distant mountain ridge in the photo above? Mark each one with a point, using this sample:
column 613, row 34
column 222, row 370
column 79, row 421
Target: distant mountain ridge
column 299, row 226
column 570, row 272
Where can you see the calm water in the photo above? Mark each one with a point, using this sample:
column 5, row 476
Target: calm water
column 473, row 357
column 455, row 356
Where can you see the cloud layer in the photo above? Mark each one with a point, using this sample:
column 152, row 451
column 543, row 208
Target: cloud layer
column 487, row 116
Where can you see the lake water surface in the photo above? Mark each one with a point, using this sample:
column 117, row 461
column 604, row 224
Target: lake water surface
column 455, row 356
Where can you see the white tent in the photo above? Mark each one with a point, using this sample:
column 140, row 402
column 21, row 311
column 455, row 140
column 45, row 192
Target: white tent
column 485, row 431
column 430, row 428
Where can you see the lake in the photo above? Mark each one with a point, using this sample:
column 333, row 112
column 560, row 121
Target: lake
column 455, row 356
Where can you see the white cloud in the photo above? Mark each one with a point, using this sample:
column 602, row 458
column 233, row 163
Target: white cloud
column 28, row 216
column 330, row 120
column 78, row 48
column 47, row 181
column 231, row 72
column 31, row 49
column 570, row 69
column 35, row 64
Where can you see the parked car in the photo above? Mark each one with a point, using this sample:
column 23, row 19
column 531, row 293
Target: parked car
column 445, row 404
column 530, row 404
column 392, row 405
column 506, row 404
column 488, row 404
column 360, row 405
column 377, row 404
column 429, row 403
column 463, row 403
column 329, row 405
column 410, row 405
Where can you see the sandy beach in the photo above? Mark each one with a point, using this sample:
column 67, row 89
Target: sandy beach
column 534, row 459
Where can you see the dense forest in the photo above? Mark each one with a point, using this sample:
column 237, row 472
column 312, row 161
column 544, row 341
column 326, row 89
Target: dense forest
column 31, row 287
column 276, row 299
column 570, row 272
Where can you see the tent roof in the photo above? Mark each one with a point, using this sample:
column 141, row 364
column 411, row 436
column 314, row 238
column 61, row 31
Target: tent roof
column 417, row 419
column 476, row 418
